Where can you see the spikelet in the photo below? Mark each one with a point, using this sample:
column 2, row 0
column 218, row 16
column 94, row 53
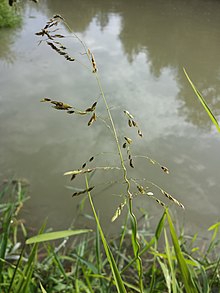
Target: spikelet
column 126, row 145
column 73, row 177
column 58, row 105
column 45, row 100
column 128, row 114
column 93, row 63
column 92, row 119
column 140, row 133
column 83, row 191
column 132, row 122
column 83, row 166
column 118, row 211
column 170, row 197
column 165, row 169
column 160, row 202
column 91, row 159
column 151, row 195
column 77, row 172
column 131, row 163
column 141, row 189
column 92, row 108
column 58, row 16
column 84, row 171
column 129, row 140
column 61, row 106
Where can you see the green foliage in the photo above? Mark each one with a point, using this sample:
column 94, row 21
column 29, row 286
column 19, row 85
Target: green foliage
column 185, row 272
column 84, row 267
column 55, row 235
column 8, row 15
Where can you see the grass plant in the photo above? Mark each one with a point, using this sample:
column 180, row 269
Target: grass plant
column 52, row 38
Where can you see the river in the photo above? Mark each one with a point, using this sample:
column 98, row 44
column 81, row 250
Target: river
column 140, row 49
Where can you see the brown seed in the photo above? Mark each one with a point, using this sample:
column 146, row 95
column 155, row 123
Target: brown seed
column 134, row 123
column 92, row 119
column 141, row 189
column 160, row 202
column 93, row 63
column 41, row 33
column 53, row 46
column 129, row 140
column 140, row 133
column 58, row 16
column 83, row 166
column 62, row 47
column 124, row 145
column 83, row 191
column 71, row 112
column 128, row 114
column 58, row 36
column 92, row 108
column 72, row 177
column 90, row 188
column 45, row 100
column 67, row 57
column 62, row 53
column 131, row 163
column 165, row 193
column 91, row 159
column 165, row 169
column 129, row 123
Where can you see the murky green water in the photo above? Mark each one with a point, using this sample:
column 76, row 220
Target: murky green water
column 140, row 49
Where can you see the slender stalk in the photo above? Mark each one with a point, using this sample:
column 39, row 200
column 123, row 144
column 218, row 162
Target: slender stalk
column 136, row 246
column 135, row 243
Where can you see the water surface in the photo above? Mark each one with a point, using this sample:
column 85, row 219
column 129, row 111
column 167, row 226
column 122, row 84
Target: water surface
column 140, row 49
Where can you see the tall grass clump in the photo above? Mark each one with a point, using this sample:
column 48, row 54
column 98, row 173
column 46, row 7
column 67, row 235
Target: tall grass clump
column 135, row 261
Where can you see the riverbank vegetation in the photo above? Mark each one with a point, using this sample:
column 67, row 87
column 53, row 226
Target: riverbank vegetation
column 8, row 15
column 80, row 265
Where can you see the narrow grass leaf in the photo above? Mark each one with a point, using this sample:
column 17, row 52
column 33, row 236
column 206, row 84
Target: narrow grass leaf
column 154, row 239
column 170, row 262
column 87, row 263
column 5, row 237
column 55, row 235
column 166, row 274
column 203, row 102
column 116, row 274
column 185, row 273
column 24, row 282
column 42, row 288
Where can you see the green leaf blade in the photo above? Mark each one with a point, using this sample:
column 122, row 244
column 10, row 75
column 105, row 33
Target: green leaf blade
column 55, row 235
column 203, row 102
column 185, row 272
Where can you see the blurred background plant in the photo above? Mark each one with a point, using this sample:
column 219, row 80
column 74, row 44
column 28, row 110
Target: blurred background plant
column 9, row 16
